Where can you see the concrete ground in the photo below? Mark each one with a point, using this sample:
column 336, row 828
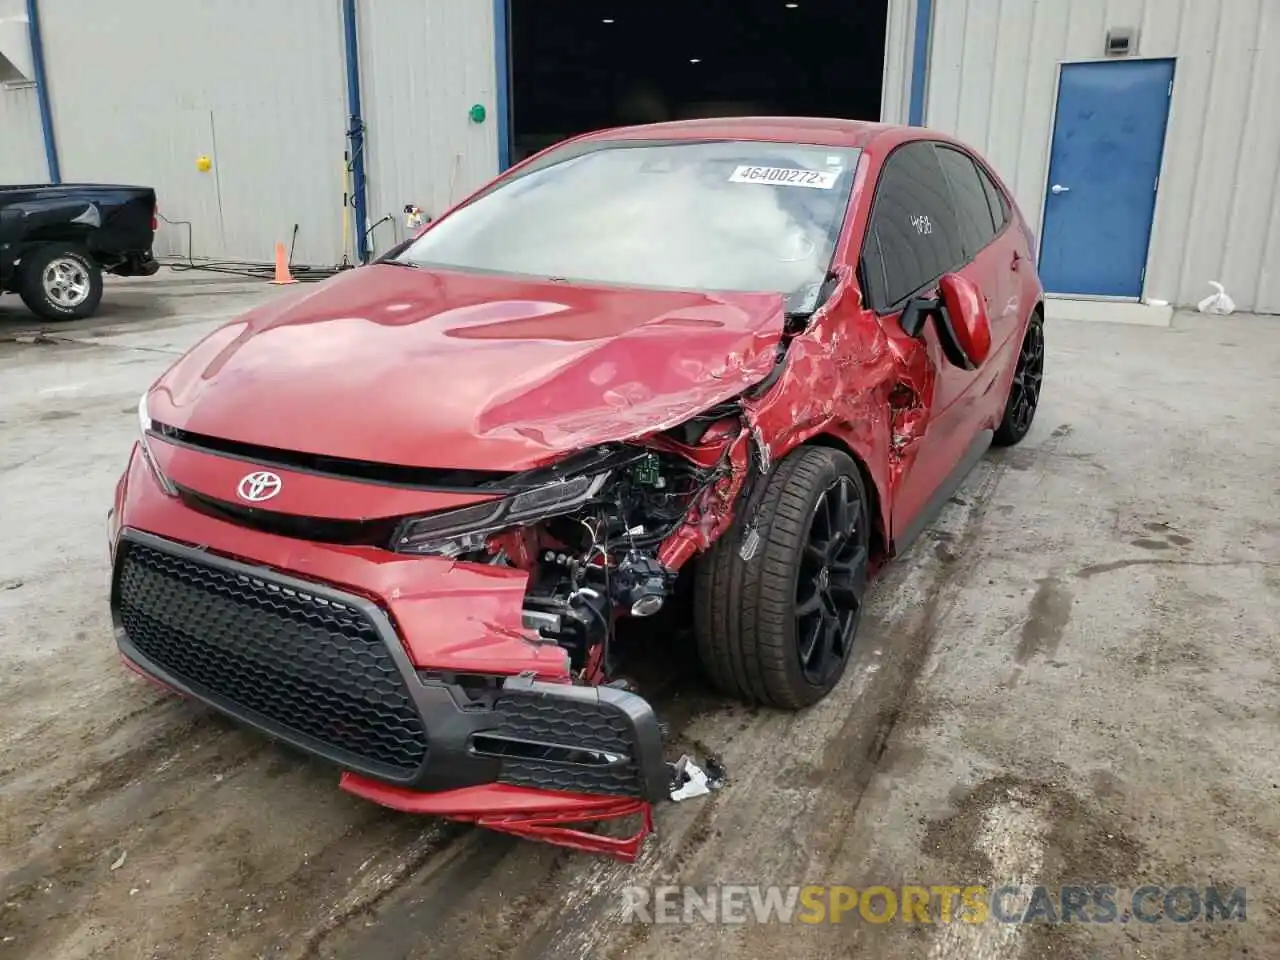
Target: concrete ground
column 1071, row 679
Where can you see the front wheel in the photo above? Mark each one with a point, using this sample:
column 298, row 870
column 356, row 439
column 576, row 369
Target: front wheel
column 778, row 628
column 60, row 281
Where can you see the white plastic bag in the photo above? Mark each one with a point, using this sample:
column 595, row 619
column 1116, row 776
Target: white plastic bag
column 1217, row 303
column 694, row 782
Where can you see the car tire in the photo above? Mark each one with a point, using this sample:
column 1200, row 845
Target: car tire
column 752, row 636
column 60, row 281
column 1024, row 388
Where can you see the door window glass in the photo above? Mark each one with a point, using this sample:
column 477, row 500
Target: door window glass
column 972, row 209
column 915, row 223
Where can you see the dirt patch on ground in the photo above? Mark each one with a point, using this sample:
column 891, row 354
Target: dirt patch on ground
column 1083, row 842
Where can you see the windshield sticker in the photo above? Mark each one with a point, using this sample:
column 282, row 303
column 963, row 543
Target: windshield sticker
column 815, row 179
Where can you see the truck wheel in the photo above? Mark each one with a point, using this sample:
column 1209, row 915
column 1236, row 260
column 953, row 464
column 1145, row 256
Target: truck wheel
column 778, row 628
column 60, row 282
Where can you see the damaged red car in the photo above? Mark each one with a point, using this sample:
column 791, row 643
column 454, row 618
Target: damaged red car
column 395, row 518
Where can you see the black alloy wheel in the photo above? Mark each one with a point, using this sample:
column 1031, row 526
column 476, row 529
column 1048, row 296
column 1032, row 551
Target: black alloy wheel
column 830, row 582
column 1024, row 391
column 778, row 625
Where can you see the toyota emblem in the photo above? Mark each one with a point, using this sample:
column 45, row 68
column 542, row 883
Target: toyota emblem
column 259, row 486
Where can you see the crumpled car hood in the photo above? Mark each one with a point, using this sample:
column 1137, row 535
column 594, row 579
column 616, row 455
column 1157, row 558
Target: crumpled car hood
column 423, row 368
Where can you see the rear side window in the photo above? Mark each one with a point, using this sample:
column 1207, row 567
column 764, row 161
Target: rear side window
column 913, row 231
column 995, row 199
column 972, row 208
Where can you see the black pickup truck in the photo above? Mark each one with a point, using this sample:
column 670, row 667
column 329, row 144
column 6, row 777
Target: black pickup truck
column 57, row 241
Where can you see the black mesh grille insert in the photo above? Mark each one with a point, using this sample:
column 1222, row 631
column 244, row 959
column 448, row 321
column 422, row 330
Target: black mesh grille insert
column 307, row 664
column 580, row 725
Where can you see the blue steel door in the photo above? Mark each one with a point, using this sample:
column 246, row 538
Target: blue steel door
column 1104, row 168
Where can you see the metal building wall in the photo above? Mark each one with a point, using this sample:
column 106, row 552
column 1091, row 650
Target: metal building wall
column 141, row 88
column 424, row 64
column 992, row 76
column 895, row 93
column 22, row 157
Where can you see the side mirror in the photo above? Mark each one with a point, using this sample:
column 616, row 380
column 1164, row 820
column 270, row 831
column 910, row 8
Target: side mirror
column 960, row 317
column 969, row 326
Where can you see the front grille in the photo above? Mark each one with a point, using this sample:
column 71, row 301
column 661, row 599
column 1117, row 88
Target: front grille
column 375, row 533
column 565, row 726
column 309, row 668
column 343, row 468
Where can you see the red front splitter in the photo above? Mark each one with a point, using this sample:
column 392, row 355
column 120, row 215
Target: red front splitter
column 531, row 814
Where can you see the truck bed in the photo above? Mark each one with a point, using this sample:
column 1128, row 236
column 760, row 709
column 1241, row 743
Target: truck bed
column 116, row 223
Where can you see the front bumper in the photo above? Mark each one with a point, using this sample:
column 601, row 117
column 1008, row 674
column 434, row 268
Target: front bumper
column 325, row 670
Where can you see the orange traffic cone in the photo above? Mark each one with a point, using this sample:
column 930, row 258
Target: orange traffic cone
column 282, row 266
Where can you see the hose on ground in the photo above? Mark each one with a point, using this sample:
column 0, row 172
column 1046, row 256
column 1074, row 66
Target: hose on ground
column 254, row 269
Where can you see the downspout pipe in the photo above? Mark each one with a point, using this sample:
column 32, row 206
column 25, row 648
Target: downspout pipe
column 355, row 129
column 42, row 92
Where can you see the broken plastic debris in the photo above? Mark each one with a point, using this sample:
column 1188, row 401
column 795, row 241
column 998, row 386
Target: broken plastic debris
column 691, row 779
column 750, row 544
column 716, row 774
column 124, row 855
column 1218, row 303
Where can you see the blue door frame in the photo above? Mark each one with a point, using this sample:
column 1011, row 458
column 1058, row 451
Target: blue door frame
column 1104, row 170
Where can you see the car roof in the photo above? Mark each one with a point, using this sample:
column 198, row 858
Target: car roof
column 817, row 130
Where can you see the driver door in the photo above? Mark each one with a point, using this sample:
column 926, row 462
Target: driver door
column 913, row 238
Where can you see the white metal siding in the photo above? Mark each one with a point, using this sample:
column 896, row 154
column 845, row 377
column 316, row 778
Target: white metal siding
column 992, row 76
column 260, row 87
column 141, row 91
column 22, row 157
column 424, row 63
column 899, row 48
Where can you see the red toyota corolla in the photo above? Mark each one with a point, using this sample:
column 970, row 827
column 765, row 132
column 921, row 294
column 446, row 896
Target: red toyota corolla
column 394, row 519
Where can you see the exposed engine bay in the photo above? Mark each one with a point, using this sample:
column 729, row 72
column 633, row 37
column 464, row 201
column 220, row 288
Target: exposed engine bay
column 590, row 531
column 603, row 560
column 602, row 533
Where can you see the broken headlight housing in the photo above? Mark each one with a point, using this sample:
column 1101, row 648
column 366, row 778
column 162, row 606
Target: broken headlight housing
column 454, row 532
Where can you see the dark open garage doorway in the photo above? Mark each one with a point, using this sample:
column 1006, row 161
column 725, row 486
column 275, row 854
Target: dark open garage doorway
column 578, row 65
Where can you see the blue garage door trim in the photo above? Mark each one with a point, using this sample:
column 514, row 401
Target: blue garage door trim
column 502, row 58
column 920, row 62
